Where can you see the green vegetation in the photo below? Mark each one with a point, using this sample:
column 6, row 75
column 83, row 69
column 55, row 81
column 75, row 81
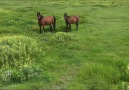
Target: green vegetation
column 95, row 57
column 17, row 54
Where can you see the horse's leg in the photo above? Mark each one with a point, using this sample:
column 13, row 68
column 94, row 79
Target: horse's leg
column 53, row 24
column 43, row 29
column 66, row 27
column 76, row 25
column 40, row 27
column 51, row 27
column 70, row 27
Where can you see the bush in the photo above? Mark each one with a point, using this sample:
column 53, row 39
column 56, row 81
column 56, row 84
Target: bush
column 15, row 50
column 62, row 36
column 17, row 55
column 19, row 74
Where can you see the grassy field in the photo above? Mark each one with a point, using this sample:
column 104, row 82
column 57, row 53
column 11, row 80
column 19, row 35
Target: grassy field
column 96, row 57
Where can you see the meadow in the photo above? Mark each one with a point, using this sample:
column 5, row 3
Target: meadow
column 95, row 57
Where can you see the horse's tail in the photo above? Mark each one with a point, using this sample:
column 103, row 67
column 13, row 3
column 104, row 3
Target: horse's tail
column 54, row 22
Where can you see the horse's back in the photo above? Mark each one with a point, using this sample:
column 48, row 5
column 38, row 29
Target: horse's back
column 48, row 20
column 74, row 19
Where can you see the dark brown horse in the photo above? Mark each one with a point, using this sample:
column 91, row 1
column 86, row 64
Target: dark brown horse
column 48, row 20
column 71, row 20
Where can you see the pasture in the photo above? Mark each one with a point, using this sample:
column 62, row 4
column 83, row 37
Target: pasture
column 95, row 57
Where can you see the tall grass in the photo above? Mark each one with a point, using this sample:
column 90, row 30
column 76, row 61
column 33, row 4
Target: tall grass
column 17, row 54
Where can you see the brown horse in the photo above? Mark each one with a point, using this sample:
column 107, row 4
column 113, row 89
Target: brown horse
column 48, row 20
column 71, row 20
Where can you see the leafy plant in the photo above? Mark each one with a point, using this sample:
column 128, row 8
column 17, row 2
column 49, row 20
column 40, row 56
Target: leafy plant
column 62, row 36
column 16, row 57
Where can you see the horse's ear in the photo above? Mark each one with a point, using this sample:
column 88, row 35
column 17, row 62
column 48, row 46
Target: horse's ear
column 38, row 12
column 65, row 13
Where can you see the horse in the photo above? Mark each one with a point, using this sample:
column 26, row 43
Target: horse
column 71, row 20
column 44, row 21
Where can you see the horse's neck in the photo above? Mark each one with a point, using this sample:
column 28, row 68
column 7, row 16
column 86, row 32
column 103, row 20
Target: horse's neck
column 41, row 17
column 68, row 17
column 40, row 20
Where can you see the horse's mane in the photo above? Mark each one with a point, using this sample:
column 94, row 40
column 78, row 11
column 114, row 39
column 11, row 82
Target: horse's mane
column 41, row 16
column 68, row 16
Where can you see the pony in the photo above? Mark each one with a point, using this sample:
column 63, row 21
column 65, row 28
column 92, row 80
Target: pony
column 44, row 21
column 71, row 20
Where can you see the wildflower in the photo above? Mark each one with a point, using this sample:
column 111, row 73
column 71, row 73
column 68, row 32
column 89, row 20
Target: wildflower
column 128, row 87
column 25, row 65
column 128, row 67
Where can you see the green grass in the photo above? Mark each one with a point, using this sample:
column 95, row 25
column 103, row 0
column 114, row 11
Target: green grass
column 93, row 58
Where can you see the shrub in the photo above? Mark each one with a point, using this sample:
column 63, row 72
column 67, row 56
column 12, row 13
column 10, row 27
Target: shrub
column 62, row 36
column 15, row 50
column 17, row 55
column 19, row 74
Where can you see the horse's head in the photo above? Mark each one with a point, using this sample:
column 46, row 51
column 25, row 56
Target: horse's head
column 65, row 15
column 39, row 16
